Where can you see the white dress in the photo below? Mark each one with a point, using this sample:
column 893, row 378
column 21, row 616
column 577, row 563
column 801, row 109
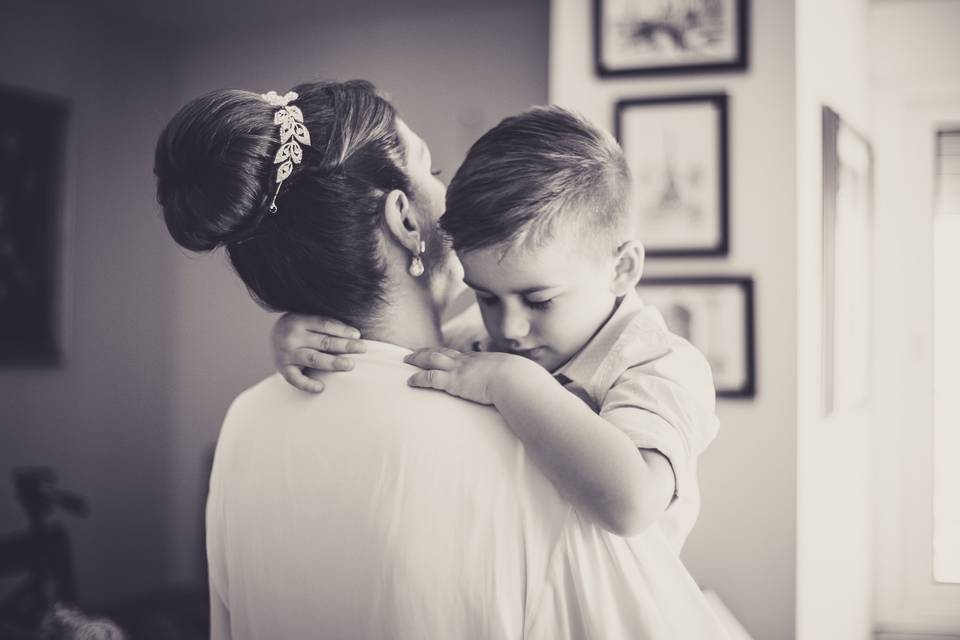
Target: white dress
column 375, row 510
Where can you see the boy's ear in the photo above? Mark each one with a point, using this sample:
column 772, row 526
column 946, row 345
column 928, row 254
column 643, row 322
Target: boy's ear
column 401, row 221
column 628, row 268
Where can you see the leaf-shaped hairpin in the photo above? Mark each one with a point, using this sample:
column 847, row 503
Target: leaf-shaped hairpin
column 286, row 130
column 284, row 172
column 284, row 153
column 290, row 119
column 300, row 133
column 289, row 151
column 295, row 113
column 277, row 100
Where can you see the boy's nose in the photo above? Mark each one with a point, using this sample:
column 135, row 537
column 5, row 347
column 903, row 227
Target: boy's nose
column 515, row 327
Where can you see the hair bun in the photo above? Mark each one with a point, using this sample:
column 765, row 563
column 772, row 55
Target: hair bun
column 212, row 165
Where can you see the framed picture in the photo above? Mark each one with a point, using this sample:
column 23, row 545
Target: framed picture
column 32, row 130
column 641, row 37
column 676, row 147
column 847, row 264
column 715, row 314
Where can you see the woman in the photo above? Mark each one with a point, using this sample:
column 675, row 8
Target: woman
column 311, row 243
column 376, row 510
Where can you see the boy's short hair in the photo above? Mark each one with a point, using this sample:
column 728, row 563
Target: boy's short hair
column 534, row 174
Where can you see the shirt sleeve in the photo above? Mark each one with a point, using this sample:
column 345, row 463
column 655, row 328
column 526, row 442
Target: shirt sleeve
column 668, row 405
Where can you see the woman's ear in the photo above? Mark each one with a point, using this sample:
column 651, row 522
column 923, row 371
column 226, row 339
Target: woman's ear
column 401, row 221
column 628, row 268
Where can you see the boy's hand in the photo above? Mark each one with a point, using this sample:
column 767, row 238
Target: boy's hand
column 313, row 343
column 471, row 376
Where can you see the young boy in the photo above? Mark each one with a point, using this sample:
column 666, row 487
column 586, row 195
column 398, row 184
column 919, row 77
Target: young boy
column 612, row 406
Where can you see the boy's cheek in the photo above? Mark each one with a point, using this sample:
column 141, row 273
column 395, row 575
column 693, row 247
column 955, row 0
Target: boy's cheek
column 490, row 323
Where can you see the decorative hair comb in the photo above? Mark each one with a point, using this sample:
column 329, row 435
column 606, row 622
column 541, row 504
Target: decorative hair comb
column 292, row 133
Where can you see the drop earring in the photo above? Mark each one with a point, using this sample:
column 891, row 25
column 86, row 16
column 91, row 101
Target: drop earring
column 416, row 263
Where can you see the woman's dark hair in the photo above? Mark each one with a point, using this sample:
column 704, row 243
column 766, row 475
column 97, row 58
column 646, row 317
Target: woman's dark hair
column 319, row 253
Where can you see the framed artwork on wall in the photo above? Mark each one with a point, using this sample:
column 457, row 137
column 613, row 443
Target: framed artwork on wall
column 643, row 37
column 847, row 264
column 676, row 147
column 715, row 314
column 32, row 130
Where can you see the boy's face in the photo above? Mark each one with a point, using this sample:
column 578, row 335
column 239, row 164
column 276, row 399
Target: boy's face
column 543, row 304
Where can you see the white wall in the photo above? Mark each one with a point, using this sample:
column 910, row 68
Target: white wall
column 453, row 71
column 914, row 87
column 744, row 543
column 913, row 42
column 834, row 492
column 101, row 419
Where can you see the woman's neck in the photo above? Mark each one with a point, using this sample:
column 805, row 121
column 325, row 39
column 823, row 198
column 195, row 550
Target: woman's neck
column 408, row 319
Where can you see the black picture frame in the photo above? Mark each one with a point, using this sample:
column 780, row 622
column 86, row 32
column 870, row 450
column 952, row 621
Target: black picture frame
column 650, row 161
column 847, row 264
column 666, row 30
column 680, row 298
column 33, row 130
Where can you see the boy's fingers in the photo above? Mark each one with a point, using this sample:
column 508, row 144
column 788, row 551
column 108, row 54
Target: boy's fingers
column 430, row 359
column 294, row 376
column 439, row 360
column 329, row 326
column 432, row 379
column 332, row 344
column 320, row 361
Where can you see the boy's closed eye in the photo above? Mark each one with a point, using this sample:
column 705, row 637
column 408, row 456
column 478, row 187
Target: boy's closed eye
column 537, row 305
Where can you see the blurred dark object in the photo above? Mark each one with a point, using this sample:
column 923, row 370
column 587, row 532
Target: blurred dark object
column 41, row 604
column 174, row 614
column 38, row 495
column 40, row 556
column 67, row 623
column 32, row 133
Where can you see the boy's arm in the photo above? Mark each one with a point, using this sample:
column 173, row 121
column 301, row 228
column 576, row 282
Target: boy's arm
column 303, row 343
column 593, row 463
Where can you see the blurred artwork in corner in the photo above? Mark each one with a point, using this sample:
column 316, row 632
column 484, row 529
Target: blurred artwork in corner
column 676, row 147
column 716, row 315
column 637, row 37
column 32, row 130
column 847, row 264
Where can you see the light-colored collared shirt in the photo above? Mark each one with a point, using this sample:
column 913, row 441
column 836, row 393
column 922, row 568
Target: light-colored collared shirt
column 376, row 510
column 650, row 383
column 658, row 389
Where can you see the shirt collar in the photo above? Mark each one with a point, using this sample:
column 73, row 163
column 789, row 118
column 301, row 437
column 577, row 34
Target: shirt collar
column 605, row 350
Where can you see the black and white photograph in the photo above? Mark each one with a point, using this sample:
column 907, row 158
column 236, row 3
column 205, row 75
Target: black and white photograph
column 644, row 37
column 847, row 251
column 677, row 149
column 716, row 315
column 439, row 319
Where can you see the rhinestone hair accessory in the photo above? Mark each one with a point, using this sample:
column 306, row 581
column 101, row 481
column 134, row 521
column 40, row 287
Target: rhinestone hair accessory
column 293, row 133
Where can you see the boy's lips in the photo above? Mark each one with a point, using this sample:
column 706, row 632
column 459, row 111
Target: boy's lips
column 531, row 354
